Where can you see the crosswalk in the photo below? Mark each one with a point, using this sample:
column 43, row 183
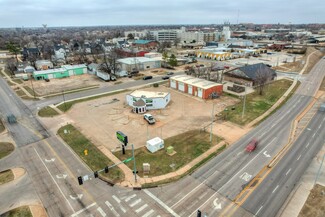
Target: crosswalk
column 128, row 205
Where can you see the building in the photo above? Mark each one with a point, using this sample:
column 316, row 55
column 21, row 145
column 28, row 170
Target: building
column 63, row 72
column 195, row 86
column 247, row 75
column 138, row 63
column 145, row 44
column 215, row 53
column 125, row 52
column 43, row 64
column 226, row 33
column 147, row 100
column 163, row 35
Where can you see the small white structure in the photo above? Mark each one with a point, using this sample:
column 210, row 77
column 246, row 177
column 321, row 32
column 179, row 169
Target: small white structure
column 153, row 100
column 141, row 63
column 155, row 144
column 139, row 107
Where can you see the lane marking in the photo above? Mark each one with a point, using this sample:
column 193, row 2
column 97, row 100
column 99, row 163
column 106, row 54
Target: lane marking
column 100, row 210
column 119, row 202
column 116, row 198
column 314, row 135
column 299, row 157
column 204, row 203
column 275, row 189
column 135, row 202
column 161, row 203
column 259, row 210
column 216, row 204
column 141, row 208
column 54, row 181
column 288, row 171
column 307, row 145
column 112, row 209
column 148, row 213
column 130, row 197
column 80, row 211
column 202, row 195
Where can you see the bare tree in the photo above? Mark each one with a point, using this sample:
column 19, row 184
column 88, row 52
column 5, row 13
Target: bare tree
column 263, row 76
column 163, row 45
column 11, row 66
column 109, row 63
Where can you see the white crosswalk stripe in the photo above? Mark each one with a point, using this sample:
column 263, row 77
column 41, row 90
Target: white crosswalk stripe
column 101, row 211
column 148, row 213
column 141, row 208
column 112, row 209
column 117, row 199
column 135, row 202
column 119, row 203
column 130, row 197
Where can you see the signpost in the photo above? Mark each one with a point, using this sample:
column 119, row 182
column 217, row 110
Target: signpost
column 122, row 138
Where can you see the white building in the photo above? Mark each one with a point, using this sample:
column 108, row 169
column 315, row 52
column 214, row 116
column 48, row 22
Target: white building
column 188, row 37
column 139, row 63
column 43, row 64
column 226, row 33
column 164, row 35
column 153, row 100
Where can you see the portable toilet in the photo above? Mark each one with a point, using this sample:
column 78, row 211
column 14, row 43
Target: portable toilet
column 155, row 144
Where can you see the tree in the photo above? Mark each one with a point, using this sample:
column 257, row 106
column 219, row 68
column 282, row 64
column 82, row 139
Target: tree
column 163, row 45
column 172, row 60
column 130, row 36
column 261, row 79
column 11, row 66
column 109, row 63
column 13, row 49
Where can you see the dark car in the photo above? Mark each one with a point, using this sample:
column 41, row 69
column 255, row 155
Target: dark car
column 147, row 77
column 47, row 80
column 170, row 73
column 165, row 77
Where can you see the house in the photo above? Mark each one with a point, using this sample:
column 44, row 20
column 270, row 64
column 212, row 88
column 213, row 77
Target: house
column 247, row 75
column 31, row 52
column 92, row 68
column 131, row 53
column 195, row 86
column 138, row 63
column 64, row 71
column 43, row 65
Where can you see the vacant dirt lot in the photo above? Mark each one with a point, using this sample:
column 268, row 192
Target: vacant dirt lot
column 101, row 118
column 315, row 204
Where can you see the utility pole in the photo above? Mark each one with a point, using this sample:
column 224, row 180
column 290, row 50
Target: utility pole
column 134, row 166
column 244, row 105
column 212, row 112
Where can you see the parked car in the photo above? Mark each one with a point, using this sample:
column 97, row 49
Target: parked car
column 47, row 80
column 149, row 118
column 170, row 73
column 252, row 145
column 147, row 77
column 165, row 77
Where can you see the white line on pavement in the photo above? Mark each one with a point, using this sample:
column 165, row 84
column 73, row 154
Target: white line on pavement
column 135, row 202
column 299, row 157
column 54, row 181
column 307, row 145
column 204, row 203
column 101, row 211
column 275, row 189
column 112, row 209
column 119, row 202
column 259, row 210
column 141, row 208
column 130, row 197
column 288, row 171
column 148, row 213
column 116, row 198
column 161, row 203
column 314, row 135
column 80, row 211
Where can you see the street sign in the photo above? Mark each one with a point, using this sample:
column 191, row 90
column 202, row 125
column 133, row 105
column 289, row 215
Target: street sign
column 121, row 137
column 128, row 160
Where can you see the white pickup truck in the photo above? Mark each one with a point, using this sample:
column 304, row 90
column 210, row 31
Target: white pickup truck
column 149, row 118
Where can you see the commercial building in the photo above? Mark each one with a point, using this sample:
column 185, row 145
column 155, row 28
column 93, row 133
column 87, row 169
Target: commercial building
column 64, row 71
column 139, row 63
column 145, row 44
column 195, row 86
column 43, row 64
column 147, row 100
column 214, row 53
column 164, row 35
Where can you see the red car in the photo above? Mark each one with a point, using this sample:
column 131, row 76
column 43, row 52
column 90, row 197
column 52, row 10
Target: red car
column 252, row 145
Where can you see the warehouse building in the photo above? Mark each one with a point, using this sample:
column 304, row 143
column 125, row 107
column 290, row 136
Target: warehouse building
column 215, row 54
column 139, row 63
column 64, row 71
column 195, row 86
column 141, row 101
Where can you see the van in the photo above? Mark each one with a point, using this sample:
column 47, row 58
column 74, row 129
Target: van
column 147, row 77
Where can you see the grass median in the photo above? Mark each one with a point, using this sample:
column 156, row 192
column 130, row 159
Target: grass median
column 95, row 159
column 6, row 148
column 22, row 211
column 2, row 126
column 47, row 112
column 188, row 146
column 6, row 176
column 256, row 104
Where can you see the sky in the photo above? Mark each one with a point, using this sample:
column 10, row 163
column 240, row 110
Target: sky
column 34, row 13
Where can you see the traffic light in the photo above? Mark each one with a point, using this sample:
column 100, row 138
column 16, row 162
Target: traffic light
column 96, row 174
column 198, row 213
column 80, row 180
column 106, row 169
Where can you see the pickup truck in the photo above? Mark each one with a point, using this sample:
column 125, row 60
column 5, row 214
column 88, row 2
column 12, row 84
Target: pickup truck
column 252, row 145
column 149, row 118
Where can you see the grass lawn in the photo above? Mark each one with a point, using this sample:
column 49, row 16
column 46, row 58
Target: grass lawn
column 30, row 90
column 6, row 176
column 18, row 80
column 188, row 146
column 47, row 112
column 256, row 104
column 322, row 86
column 22, row 211
column 95, row 159
column 20, row 93
column 66, row 106
column 6, row 148
column 2, row 127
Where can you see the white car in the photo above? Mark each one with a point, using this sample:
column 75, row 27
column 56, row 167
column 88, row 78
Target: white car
column 149, row 118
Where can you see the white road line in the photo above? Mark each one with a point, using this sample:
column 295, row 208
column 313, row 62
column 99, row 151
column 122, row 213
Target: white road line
column 314, row 135
column 116, row 198
column 247, row 164
column 275, row 189
column 135, row 202
column 112, row 209
column 101, row 211
column 288, row 171
column 307, row 145
column 141, row 208
column 80, row 211
column 202, row 195
column 130, row 197
column 299, row 157
column 258, row 210
column 161, row 203
column 273, row 125
column 204, row 203
column 148, row 213
column 54, row 181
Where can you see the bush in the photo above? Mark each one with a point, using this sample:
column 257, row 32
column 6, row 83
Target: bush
column 155, row 85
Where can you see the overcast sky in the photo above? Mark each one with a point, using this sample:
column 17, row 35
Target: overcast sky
column 33, row 13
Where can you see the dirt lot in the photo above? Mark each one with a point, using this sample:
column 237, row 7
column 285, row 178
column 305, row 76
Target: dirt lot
column 315, row 204
column 101, row 118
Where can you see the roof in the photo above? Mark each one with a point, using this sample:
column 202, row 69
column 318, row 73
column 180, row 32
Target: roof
column 41, row 62
column 148, row 94
column 250, row 71
column 140, row 102
column 142, row 41
column 197, row 82
column 50, row 71
column 68, row 67
column 133, row 60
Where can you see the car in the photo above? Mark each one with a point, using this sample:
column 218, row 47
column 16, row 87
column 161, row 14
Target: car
column 147, row 77
column 47, row 80
column 165, row 77
column 170, row 73
column 149, row 118
column 252, row 145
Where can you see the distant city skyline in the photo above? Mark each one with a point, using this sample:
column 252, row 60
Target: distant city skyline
column 34, row 13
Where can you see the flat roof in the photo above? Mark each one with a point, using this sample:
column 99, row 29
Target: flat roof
column 148, row 94
column 197, row 82
column 74, row 66
column 133, row 60
column 49, row 71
